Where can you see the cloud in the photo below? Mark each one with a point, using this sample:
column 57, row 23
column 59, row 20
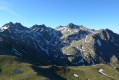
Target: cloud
column 6, row 6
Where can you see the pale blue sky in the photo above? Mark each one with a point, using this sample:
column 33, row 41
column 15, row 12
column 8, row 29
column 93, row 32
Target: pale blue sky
column 95, row 14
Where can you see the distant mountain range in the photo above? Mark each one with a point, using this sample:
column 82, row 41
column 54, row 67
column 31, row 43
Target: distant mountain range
column 65, row 45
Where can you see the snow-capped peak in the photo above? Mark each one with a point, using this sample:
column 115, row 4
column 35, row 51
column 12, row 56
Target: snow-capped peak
column 12, row 26
column 6, row 26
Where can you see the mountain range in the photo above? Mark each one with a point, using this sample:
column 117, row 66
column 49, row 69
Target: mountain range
column 65, row 45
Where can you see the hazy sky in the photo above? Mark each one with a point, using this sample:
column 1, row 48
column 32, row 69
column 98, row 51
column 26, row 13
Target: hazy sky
column 90, row 13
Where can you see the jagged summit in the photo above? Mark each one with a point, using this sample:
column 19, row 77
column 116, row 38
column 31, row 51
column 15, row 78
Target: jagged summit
column 7, row 25
column 18, row 24
column 10, row 26
column 38, row 27
column 72, row 26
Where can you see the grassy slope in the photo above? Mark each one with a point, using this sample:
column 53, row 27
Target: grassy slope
column 90, row 73
column 8, row 64
column 31, row 72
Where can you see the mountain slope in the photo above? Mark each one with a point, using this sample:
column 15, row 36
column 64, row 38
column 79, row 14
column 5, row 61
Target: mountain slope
column 95, row 48
column 65, row 45
column 13, row 68
column 89, row 73
column 39, row 46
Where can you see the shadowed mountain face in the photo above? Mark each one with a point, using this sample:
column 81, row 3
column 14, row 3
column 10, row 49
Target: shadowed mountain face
column 65, row 45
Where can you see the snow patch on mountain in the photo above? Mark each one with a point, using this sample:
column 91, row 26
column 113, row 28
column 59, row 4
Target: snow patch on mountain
column 99, row 42
column 4, row 28
column 86, row 39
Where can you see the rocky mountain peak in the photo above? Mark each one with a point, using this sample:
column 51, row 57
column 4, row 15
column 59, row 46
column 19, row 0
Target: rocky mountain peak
column 18, row 24
column 12, row 26
column 72, row 26
column 38, row 27
column 6, row 26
